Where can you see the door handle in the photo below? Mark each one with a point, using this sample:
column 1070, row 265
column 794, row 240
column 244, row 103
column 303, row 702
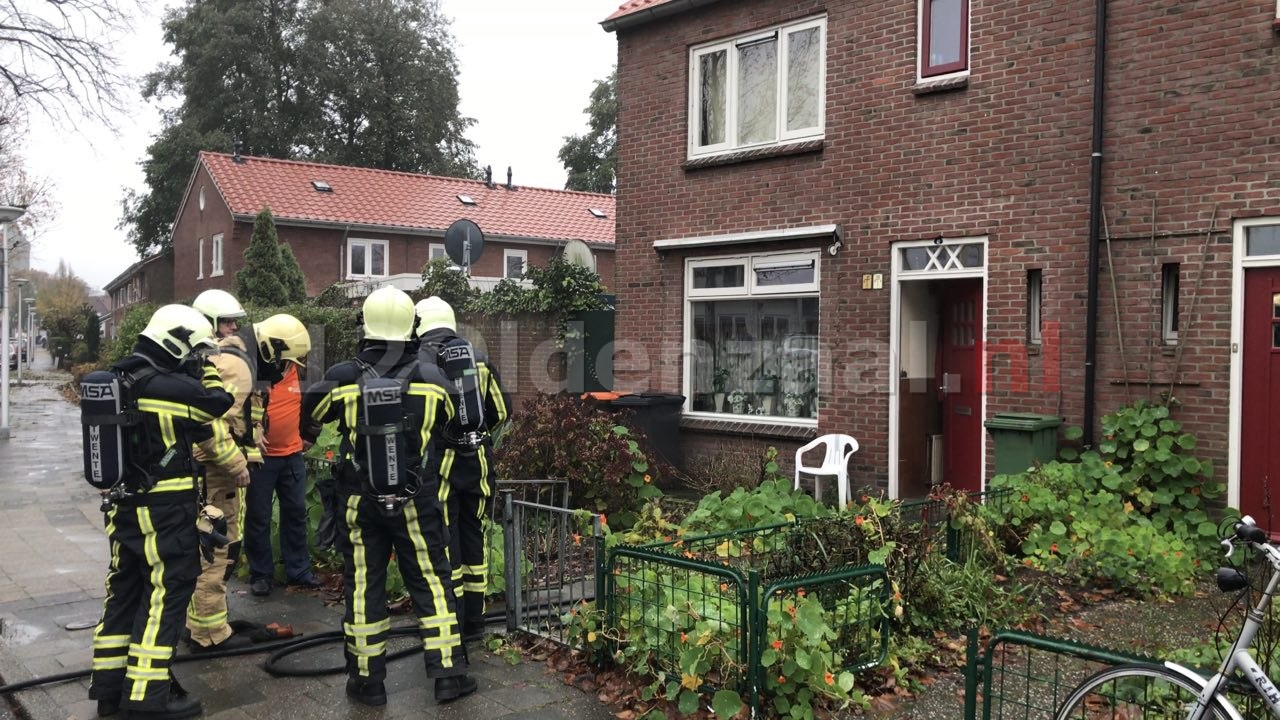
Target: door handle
column 950, row 384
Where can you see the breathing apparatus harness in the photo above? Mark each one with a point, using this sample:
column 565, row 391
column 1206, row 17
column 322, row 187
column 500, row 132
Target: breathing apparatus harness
column 382, row 427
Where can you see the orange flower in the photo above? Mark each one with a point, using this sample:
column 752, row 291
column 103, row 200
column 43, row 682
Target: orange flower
column 777, row 644
column 603, row 520
column 577, row 539
column 800, row 592
column 724, row 587
column 328, row 454
column 684, row 637
column 782, row 679
column 648, row 478
column 831, row 679
column 1053, row 548
column 859, row 520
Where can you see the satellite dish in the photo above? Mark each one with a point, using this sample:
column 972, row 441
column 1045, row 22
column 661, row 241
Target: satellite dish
column 576, row 252
column 463, row 243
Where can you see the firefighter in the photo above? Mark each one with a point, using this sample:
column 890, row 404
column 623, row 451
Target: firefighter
column 466, row 466
column 388, row 408
column 227, row 469
column 151, row 522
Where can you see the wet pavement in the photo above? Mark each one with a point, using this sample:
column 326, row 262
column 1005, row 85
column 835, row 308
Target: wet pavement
column 53, row 560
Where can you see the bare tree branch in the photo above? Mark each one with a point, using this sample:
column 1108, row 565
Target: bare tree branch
column 59, row 56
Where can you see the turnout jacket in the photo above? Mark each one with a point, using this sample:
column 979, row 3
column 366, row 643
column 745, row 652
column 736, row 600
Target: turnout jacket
column 180, row 407
column 239, row 430
column 337, row 397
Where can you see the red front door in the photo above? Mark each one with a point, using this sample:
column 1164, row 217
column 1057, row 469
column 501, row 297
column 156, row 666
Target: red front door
column 959, row 381
column 1260, row 399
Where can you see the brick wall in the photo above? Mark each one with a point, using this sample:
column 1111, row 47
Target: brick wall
column 1190, row 107
column 523, row 349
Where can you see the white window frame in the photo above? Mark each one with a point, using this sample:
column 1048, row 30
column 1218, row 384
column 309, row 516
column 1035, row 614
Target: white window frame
column 368, row 244
column 508, row 253
column 200, row 259
column 748, row 291
column 215, row 255
column 436, row 251
column 729, row 47
column 1035, row 306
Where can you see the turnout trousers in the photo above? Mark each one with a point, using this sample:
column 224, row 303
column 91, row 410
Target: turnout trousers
column 207, row 615
column 154, row 564
column 467, row 497
column 415, row 534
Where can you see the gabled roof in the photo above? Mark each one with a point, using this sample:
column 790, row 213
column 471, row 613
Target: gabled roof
column 133, row 269
column 639, row 12
column 401, row 201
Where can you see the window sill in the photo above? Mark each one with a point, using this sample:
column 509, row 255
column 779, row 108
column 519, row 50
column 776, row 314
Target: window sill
column 216, row 273
column 774, row 428
column 741, row 156
column 1033, row 348
column 929, row 87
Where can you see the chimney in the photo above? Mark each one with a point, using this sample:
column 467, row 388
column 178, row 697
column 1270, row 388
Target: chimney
column 235, row 157
column 488, row 176
column 509, row 187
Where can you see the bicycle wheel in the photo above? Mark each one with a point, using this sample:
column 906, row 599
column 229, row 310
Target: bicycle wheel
column 1136, row 692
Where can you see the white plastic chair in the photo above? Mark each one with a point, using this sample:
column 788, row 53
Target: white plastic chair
column 835, row 463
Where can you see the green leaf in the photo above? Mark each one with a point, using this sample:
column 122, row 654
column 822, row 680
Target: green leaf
column 845, row 681
column 1141, row 444
column 688, row 702
column 726, row 703
column 1057, row 528
column 640, row 467
column 1073, row 433
column 673, row 690
column 768, row 657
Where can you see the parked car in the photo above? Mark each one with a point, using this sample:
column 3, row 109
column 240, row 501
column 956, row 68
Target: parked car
column 13, row 355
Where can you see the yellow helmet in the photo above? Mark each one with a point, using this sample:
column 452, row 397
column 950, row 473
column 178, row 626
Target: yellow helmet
column 435, row 313
column 216, row 305
column 178, row 329
column 388, row 315
column 282, row 337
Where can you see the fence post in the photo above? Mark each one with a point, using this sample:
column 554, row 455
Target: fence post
column 971, row 676
column 511, row 560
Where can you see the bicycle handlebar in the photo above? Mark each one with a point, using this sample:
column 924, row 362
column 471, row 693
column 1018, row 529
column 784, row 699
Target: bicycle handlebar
column 1246, row 530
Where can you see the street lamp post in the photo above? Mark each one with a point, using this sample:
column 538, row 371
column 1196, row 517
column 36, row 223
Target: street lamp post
column 21, row 283
column 31, row 327
column 8, row 213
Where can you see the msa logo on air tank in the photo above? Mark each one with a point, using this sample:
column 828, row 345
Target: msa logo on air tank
column 382, row 396
column 98, row 391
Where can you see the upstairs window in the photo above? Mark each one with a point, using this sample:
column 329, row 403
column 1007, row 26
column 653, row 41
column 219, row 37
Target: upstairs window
column 366, row 258
column 944, row 37
column 215, row 255
column 765, row 88
column 513, row 262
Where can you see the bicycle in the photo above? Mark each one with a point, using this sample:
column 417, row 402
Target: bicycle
column 1172, row 692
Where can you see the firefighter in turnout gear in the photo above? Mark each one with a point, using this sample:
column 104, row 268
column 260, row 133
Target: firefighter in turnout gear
column 227, row 467
column 151, row 520
column 466, row 465
column 389, row 408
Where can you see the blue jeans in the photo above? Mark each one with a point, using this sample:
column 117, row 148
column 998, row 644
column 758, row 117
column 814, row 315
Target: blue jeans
column 285, row 477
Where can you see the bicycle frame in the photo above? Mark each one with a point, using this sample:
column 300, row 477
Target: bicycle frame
column 1240, row 658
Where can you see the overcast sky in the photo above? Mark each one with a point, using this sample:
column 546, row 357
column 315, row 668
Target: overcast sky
column 527, row 71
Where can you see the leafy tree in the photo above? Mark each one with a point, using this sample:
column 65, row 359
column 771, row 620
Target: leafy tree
column 261, row 281
column 148, row 216
column 440, row 278
column 295, row 283
column 592, row 159
column 383, row 77
column 362, row 83
column 60, row 305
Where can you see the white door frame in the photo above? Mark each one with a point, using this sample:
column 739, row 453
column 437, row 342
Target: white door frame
column 1240, row 262
column 936, row 271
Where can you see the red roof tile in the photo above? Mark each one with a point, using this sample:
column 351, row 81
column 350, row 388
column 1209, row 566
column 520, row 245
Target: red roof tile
column 634, row 6
column 364, row 196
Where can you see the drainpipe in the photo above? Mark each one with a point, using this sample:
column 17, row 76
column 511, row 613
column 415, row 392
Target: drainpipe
column 1095, row 218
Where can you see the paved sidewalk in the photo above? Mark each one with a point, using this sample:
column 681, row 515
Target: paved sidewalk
column 53, row 559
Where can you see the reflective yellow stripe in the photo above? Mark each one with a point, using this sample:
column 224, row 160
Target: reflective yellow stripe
column 155, row 652
column 151, row 631
column 363, row 651
column 366, row 629
column 359, row 557
column 174, row 485
column 105, row 642
column 205, row 621
column 137, row 672
column 438, row 599
column 118, row 662
column 173, row 408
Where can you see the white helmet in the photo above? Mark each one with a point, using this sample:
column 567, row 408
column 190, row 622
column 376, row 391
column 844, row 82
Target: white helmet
column 216, row 305
column 178, row 329
column 282, row 337
column 435, row 313
column 388, row 315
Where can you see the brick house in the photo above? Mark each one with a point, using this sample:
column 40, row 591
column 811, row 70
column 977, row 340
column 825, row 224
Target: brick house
column 365, row 227
column 149, row 280
column 904, row 200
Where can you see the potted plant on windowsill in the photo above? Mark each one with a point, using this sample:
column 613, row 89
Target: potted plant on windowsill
column 766, row 386
column 738, row 402
column 793, row 403
column 718, row 380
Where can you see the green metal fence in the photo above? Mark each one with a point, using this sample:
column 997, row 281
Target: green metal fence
column 707, row 600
